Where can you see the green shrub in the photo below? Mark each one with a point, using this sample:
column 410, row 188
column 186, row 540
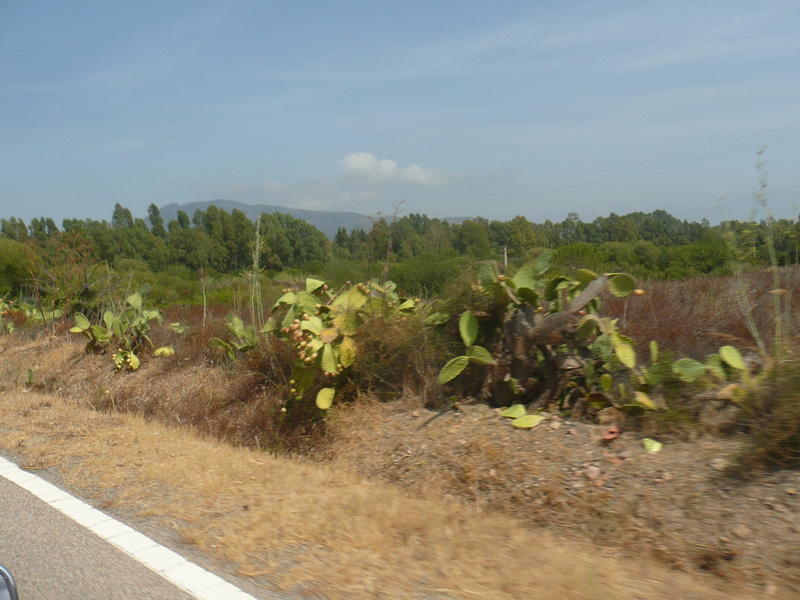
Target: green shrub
column 580, row 255
column 173, row 286
column 427, row 275
column 16, row 261
column 339, row 270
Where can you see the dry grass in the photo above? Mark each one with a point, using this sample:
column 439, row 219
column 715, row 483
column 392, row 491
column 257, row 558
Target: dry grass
column 308, row 528
column 773, row 416
column 302, row 527
column 694, row 317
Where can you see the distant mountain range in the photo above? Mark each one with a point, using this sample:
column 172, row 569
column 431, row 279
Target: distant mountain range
column 326, row 221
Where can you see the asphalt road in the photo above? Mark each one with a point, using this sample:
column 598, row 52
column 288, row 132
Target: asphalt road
column 60, row 548
column 52, row 557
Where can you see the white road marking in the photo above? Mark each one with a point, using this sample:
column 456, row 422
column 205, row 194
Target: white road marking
column 203, row 584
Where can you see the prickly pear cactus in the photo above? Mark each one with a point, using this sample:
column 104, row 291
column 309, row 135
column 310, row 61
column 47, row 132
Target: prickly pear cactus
column 552, row 342
column 323, row 326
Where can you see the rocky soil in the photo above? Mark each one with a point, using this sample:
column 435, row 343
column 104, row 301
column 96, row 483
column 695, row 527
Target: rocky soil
column 678, row 505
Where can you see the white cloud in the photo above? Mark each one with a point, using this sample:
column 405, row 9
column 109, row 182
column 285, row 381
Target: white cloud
column 369, row 168
column 366, row 183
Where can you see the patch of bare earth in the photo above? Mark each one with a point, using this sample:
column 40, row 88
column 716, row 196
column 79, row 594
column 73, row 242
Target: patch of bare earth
column 397, row 505
column 675, row 506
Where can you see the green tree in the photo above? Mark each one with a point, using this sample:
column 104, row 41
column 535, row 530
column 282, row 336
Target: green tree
column 571, row 229
column 379, row 241
column 522, row 236
column 183, row 220
column 290, row 243
column 194, row 249
column 437, row 237
column 14, row 229
column 16, row 264
column 648, row 254
column 341, row 238
column 621, row 255
column 240, row 233
column 156, row 222
column 121, row 218
column 580, row 255
column 472, row 239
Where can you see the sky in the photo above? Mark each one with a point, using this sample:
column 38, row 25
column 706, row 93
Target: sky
column 495, row 109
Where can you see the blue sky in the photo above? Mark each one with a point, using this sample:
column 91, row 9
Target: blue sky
column 493, row 109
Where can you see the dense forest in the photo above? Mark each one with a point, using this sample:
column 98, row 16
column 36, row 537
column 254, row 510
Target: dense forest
column 417, row 252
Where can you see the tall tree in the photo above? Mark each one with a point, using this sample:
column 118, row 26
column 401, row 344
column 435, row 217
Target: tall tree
column 183, row 220
column 156, row 221
column 121, row 218
column 14, row 229
column 522, row 236
column 472, row 239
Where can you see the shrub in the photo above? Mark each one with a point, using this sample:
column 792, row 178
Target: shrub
column 427, row 275
column 580, row 255
column 16, row 262
column 773, row 413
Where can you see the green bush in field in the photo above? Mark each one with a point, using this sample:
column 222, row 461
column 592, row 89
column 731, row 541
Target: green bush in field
column 579, row 255
column 427, row 275
column 16, row 262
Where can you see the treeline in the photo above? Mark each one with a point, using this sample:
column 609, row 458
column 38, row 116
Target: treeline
column 418, row 252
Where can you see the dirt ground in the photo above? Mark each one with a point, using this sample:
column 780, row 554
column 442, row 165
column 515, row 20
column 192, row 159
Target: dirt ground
column 677, row 505
column 561, row 480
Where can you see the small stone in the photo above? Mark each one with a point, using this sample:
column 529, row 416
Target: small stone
column 592, row 472
column 724, row 540
column 719, row 464
column 667, row 476
column 555, row 425
column 741, row 531
column 415, row 414
column 572, row 431
column 626, row 454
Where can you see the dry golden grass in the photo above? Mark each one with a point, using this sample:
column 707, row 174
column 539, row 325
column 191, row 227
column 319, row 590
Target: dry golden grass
column 286, row 522
column 300, row 526
column 303, row 527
